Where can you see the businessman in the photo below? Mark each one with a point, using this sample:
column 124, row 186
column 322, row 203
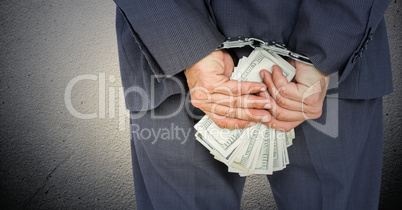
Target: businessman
column 167, row 53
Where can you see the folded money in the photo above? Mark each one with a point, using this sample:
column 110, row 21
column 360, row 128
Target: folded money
column 257, row 149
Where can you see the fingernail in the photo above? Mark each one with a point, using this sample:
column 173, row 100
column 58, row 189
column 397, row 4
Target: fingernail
column 263, row 89
column 267, row 106
column 262, row 74
column 265, row 119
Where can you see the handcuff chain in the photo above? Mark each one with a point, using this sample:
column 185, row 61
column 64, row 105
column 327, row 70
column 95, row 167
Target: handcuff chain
column 272, row 47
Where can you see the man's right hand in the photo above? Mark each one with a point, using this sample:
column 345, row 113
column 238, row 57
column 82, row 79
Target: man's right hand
column 227, row 102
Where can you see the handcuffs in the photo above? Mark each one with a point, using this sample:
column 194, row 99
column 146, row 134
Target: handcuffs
column 272, row 47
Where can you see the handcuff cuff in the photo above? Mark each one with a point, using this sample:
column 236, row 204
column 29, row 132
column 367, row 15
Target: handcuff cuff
column 272, row 47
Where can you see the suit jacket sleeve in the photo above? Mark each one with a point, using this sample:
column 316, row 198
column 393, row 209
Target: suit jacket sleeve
column 335, row 33
column 172, row 35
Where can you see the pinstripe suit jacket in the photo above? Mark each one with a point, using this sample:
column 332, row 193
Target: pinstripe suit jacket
column 162, row 38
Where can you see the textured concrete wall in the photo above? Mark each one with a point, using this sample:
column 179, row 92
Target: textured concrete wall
column 53, row 159
column 391, row 189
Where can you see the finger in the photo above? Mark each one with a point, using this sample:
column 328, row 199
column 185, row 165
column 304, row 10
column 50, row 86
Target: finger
column 200, row 95
column 280, row 94
column 305, row 113
column 307, row 105
column 243, row 101
column 255, row 115
column 234, row 87
column 301, row 98
column 276, row 94
column 286, row 89
column 282, row 114
column 230, row 123
column 278, row 78
column 283, row 102
column 266, row 95
column 282, row 126
column 301, row 91
column 288, row 97
column 267, row 79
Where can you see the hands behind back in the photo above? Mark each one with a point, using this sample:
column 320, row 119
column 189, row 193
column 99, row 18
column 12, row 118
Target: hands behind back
column 234, row 104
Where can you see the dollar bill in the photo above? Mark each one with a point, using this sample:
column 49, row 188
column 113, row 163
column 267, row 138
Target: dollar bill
column 258, row 149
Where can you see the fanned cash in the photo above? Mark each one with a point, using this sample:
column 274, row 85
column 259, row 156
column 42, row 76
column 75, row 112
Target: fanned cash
column 254, row 150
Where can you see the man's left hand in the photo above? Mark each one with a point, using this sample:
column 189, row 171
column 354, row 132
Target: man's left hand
column 296, row 101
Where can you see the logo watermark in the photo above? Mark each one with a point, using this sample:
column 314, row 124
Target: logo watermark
column 113, row 97
column 170, row 133
column 106, row 95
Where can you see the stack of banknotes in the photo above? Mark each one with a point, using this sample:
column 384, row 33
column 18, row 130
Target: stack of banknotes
column 257, row 149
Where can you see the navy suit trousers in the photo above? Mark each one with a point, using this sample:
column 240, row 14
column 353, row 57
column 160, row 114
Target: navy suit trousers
column 335, row 161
